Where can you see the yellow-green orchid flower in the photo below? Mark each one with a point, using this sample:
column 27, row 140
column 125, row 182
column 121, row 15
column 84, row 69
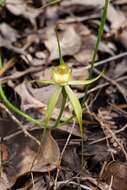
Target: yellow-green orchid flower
column 62, row 78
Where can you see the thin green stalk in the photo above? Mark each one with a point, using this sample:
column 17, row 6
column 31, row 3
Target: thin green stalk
column 61, row 109
column 100, row 33
column 69, row 120
column 60, row 54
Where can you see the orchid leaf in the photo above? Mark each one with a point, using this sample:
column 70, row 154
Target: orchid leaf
column 84, row 82
column 51, row 104
column 76, row 106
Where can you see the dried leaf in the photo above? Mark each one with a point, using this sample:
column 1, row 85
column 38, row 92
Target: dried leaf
column 27, row 100
column 70, row 42
column 30, row 101
column 120, row 2
column 43, row 93
column 115, row 17
column 82, row 2
column 48, row 157
column 4, row 182
column 21, row 8
column 24, row 157
column 119, row 172
column 7, row 127
column 71, row 159
column 84, row 56
column 8, row 33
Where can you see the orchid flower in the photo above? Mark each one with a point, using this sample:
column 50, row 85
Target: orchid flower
column 63, row 80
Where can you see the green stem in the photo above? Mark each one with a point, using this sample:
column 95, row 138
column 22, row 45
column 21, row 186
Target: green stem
column 61, row 109
column 100, row 33
column 67, row 121
column 60, row 54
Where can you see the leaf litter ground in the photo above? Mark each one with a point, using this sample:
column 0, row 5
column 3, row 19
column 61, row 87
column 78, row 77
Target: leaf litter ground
column 28, row 45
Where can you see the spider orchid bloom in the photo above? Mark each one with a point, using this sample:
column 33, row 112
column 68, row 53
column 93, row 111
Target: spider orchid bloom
column 62, row 78
column 62, row 75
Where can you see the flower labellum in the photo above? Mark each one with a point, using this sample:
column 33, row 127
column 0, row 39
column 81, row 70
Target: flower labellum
column 62, row 74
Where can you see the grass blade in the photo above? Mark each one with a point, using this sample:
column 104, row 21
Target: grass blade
column 100, row 33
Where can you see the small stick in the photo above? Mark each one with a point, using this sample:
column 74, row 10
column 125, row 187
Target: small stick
column 6, row 66
column 113, row 82
column 64, row 148
column 19, row 123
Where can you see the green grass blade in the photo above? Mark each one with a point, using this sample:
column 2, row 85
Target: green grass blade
column 76, row 106
column 100, row 33
column 51, row 104
column 12, row 107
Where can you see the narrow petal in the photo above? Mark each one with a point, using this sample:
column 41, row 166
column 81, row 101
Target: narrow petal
column 84, row 82
column 51, row 103
column 76, row 106
column 43, row 81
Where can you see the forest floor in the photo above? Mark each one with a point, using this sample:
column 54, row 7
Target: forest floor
column 29, row 51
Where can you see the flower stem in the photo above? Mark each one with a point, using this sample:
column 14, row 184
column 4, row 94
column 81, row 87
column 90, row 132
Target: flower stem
column 61, row 109
column 60, row 54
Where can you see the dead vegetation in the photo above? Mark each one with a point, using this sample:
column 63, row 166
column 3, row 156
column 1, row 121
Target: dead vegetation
column 29, row 48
